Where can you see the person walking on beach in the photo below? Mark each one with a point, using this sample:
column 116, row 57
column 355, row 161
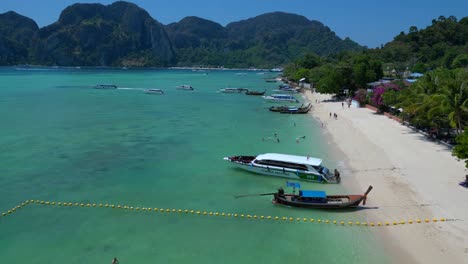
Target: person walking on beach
column 342, row 105
column 330, row 114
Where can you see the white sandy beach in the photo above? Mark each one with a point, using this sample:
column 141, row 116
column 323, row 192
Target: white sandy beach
column 413, row 178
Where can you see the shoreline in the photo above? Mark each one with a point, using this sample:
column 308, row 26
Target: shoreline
column 405, row 170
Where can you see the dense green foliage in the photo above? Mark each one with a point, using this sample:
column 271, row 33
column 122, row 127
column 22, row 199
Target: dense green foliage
column 331, row 75
column 122, row 34
column 439, row 100
column 264, row 41
column 94, row 34
column 17, row 34
column 461, row 149
column 443, row 44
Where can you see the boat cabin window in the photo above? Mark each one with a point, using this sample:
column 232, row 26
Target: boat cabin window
column 284, row 164
column 321, row 169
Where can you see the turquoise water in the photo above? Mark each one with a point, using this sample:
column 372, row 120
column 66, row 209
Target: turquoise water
column 61, row 140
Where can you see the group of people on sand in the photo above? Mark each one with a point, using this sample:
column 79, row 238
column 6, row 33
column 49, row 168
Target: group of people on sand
column 334, row 115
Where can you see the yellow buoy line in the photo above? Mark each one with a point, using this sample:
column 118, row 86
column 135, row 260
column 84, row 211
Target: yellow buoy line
column 229, row 215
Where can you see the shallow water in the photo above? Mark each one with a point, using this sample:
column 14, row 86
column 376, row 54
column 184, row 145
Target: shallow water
column 62, row 140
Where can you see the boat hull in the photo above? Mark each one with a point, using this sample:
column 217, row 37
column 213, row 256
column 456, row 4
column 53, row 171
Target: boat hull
column 275, row 100
column 188, row 88
column 157, row 92
column 290, row 200
column 281, row 172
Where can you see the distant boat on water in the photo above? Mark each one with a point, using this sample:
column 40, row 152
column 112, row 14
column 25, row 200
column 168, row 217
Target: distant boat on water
column 105, row 86
column 185, row 87
column 154, row 91
column 255, row 92
column 276, row 70
column 287, row 90
column 280, row 98
column 233, row 90
column 291, row 109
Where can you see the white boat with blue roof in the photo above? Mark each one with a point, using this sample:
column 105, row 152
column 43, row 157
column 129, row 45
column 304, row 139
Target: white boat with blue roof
column 281, row 98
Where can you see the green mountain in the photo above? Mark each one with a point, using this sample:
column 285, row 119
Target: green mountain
column 289, row 35
column 263, row 41
column 17, row 34
column 123, row 34
column 198, row 41
column 442, row 44
column 113, row 35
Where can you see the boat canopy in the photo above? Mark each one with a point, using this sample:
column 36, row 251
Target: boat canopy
column 282, row 96
column 290, row 158
column 313, row 194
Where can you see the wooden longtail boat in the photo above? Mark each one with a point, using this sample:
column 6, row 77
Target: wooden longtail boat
column 300, row 110
column 319, row 199
column 283, row 108
column 255, row 93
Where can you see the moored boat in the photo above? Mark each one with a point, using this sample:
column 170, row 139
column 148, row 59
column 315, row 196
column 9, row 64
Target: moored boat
column 255, row 92
column 282, row 108
column 279, row 98
column 287, row 166
column 319, row 199
column 297, row 110
column 154, row 91
column 287, row 90
column 291, row 109
column 232, row 90
column 185, row 87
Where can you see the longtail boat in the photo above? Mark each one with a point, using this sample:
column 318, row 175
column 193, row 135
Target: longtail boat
column 319, row 199
column 283, row 108
column 255, row 92
column 300, row 110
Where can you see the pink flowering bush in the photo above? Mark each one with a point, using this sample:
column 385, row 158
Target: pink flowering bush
column 377, row 96
column 377, row 99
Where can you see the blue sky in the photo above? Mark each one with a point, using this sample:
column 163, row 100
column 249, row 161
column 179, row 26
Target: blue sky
column 368, row 22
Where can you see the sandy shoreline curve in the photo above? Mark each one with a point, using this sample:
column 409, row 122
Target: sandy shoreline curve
column 413, row 178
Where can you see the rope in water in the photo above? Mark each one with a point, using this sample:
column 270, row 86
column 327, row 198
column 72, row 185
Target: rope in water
column 217, row 214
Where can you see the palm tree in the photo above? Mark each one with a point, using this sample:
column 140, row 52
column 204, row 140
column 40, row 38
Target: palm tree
column 452, row 101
